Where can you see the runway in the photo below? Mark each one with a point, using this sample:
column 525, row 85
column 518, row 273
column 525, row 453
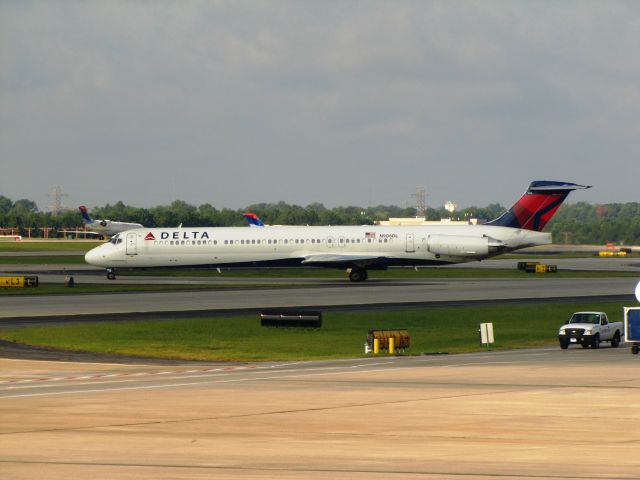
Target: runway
column 371, row 293
column 573, row 414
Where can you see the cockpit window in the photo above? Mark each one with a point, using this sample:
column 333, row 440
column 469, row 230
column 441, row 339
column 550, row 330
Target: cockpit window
column 115, row 240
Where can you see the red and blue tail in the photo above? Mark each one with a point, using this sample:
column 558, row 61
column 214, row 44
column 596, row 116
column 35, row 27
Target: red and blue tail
column 536, row 207
column 253, row 219
column 85, row 215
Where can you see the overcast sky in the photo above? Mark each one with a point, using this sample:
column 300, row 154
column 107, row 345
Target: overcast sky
column 337, row 102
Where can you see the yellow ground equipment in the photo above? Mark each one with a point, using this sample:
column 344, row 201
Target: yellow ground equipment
column 401, row 338
column 18, row 281
column 546, row 268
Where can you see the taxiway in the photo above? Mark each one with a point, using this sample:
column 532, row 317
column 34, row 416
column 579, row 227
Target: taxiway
column 531, row 414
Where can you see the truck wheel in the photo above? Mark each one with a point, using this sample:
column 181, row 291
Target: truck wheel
column 596, row 341
column 635, row 349
column 585, row 344
column 615, row 341
column 564, row 345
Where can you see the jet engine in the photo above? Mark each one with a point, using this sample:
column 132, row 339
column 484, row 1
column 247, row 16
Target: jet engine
column 463, row 245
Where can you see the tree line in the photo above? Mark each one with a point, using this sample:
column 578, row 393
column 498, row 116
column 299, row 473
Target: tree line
column 577, row 223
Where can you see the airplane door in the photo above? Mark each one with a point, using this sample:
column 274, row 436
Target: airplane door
column 132, row 244
column 411, row 246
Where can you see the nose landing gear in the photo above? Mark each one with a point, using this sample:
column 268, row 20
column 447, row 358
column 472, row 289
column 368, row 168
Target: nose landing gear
column 111, row 274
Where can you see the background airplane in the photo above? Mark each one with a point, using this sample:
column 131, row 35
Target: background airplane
column 356, row 248
column 105, row 227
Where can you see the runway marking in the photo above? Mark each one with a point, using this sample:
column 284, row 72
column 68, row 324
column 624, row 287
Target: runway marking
column 284, row 375
column 313, row 372
column 206, row 373
column 121, row 374
column 175, row 372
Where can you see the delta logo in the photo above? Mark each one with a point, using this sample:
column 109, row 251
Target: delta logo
column 197, row 235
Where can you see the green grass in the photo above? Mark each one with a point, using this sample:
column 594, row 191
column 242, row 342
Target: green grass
column 61, row 289
column 49, row 246
column 44, row 260
column 342, row 335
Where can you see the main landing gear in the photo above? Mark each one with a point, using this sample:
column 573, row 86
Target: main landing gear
column 357, row 274
column 111, row 274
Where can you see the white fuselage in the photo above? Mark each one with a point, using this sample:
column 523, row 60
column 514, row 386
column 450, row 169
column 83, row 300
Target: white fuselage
column 368, row 246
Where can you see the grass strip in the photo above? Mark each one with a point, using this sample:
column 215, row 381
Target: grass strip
column 342, row 335
column 61, row 289
column 44, row 260
column 49, row 245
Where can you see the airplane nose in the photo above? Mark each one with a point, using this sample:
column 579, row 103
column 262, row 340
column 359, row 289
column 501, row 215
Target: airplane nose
column 94, row 257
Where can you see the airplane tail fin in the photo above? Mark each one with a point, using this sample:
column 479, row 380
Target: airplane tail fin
column 85, row 214
column 538, row 204
column 253, row 219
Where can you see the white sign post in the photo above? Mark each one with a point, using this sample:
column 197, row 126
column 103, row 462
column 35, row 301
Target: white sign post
column 486, row 333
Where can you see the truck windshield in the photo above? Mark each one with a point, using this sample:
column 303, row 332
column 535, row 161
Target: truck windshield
column 585, row 318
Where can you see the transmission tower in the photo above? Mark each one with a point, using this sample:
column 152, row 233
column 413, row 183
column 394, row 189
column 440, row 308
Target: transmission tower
column 56, row 194
column 421, row 202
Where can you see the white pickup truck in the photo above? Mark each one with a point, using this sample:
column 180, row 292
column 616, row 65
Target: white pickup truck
column 589, row 329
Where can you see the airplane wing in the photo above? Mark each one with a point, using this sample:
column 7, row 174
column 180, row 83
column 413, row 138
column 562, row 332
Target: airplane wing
column 327, row 260
column 80, row 232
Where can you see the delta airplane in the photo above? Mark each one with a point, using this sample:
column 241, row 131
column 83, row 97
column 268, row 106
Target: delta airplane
column 355, row 248
column 105, row 227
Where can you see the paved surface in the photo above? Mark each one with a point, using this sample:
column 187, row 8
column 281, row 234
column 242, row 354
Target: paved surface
column 369, row 293
column 513, row 415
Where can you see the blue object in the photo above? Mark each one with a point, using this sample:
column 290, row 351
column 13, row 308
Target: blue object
column 633, row 325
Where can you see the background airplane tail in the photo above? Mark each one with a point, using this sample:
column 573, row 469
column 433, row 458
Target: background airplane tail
column 253, row 219
column 85, row 214
column 538, row 204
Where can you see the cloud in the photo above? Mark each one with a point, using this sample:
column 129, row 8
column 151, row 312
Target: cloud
column 238, row 102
